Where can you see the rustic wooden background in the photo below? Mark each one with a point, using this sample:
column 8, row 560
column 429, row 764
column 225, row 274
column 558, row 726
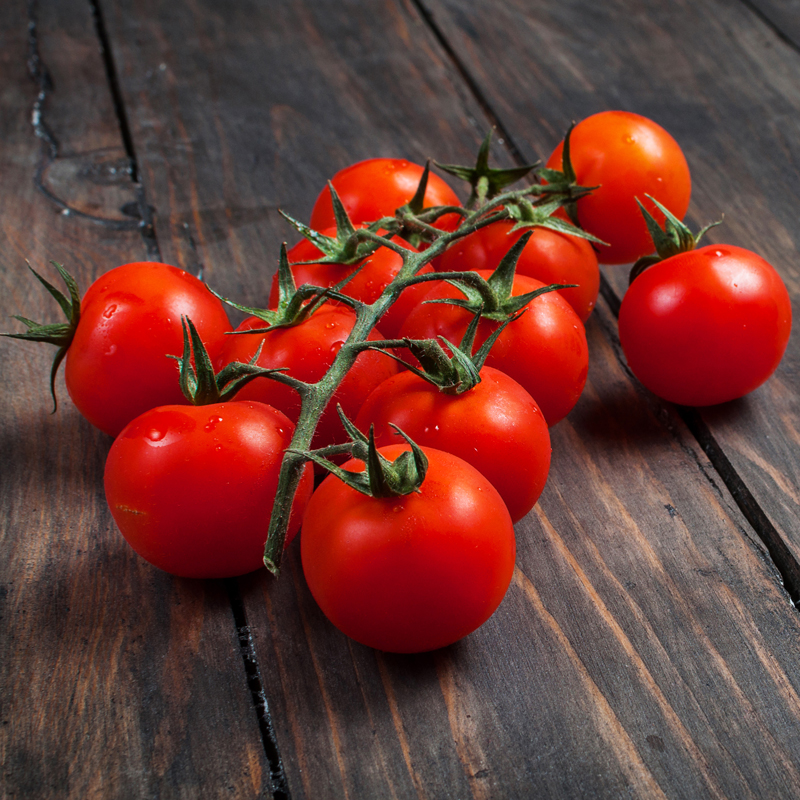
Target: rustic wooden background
column 649, row 644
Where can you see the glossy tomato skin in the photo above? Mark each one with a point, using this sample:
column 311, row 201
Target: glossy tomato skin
column 706, row 326
column 544, row 350
column 413, row 573
column 627, row 156
column 308, row 350
column 496, row 427
column 117, row 366
column 377, row 187
column 549, row 256
column 191, row 488
column 374, row 274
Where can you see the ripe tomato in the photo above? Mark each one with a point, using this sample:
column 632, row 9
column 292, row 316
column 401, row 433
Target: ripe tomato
column 117, row 365
column 496, row 426
column 705, row 326
column 308, row 350
column 544, row 350
column 410, row 573
column 549, row 256
column 377, row 187
column 191, row 487
column 628, row 156
column 375, row 273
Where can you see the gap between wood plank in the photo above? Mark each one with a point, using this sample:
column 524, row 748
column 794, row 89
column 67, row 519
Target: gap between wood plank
column 782, row 558
column 145, row 212
column 277, row 774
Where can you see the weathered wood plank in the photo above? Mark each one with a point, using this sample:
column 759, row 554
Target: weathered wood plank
column 645, row 648
column 116, row 679
column 725, row 85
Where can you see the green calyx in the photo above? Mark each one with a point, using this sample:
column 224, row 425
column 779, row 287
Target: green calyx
column 59, row 334
column 673, row 239
column 486, row 182
column 455, row 373
column 540, row 215
column 294, row 305
column 491, row 298
column 347, row 247
column 381, row 477
column 199, row 384
column 563, row 183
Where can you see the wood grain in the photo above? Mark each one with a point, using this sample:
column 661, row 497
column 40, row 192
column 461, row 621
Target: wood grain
column 646, row 647
column 118, row 681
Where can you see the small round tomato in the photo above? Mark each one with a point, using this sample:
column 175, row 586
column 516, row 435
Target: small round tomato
column 117, row 365
column 627, row 156
column 377, row 187
column 549, row 256
column 496, row 426
column 191, row 487
column 705, row 326
column 409, row 573
column 374, row 274
column 544, row 350
column 307, row 350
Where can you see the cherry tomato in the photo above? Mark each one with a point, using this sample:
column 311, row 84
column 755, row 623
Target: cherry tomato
column 117, row 365
column 377, row 187
column 308, row 350
column 191, row 487
column 411, row 573
column 705, row 326
column 628, row 156
column 549, row 256
column 496, row 426
column 544, row 350
column 375, row 273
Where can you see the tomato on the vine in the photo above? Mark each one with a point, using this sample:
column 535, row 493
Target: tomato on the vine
column 544, row 350
column 414, row 572
column 549, row 256
column 627, row 156
column 307, row 350
column 119, row 337
column 191, row 487
column 377, row 187
column 373, row 275
column 496, row 426
column 705, row 326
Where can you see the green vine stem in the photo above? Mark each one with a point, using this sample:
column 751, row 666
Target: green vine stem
column 315, row 397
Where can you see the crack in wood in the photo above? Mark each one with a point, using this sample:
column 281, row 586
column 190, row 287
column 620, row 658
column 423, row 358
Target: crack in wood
column 277, row 774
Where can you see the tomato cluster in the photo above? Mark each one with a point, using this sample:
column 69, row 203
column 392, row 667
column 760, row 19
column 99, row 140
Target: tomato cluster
column 432, row 344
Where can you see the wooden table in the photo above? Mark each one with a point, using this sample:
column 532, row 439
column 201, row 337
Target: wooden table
column 648, row 646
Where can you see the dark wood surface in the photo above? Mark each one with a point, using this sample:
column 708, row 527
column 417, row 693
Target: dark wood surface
column 648, row 646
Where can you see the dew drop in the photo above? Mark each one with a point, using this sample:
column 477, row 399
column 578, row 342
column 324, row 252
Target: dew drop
column 111, row 350
column 156, row 435
column 109, row 312
column 212, row 423
column 718, row 253
column 629, row 139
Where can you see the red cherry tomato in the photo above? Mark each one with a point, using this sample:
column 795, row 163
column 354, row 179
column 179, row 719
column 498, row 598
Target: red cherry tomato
column 706, row 326
column 191, row 487
column 412, row 573
column 308, row 350
column 549, row 256
column 495, row 426
column 117, row 365
column 544, row 350
column 628, row 156
column 377, row 187
column 375, row 273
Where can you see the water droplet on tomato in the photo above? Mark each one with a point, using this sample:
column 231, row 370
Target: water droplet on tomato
column 330, row 325
column 212, row 423
column 156, row 435
column 111, row 350
column 718, row 253
column 629, row 139
column 109, row 312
